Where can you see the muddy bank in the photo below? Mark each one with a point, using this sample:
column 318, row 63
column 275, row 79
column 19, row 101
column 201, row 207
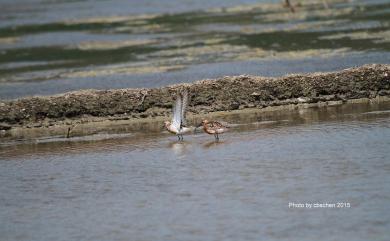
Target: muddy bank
column 223, row 94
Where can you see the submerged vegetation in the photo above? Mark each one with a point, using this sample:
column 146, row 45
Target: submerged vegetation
column 167, row 42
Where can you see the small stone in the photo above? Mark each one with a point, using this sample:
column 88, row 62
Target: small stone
column 234, row 106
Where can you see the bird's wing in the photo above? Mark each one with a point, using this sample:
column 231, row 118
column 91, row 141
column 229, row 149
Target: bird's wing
column 218, row 125
column 222, row 124
column 177, row 110
column 183, row 108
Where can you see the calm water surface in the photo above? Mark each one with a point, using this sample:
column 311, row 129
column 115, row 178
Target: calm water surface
column 150, row 187
column 49, row 47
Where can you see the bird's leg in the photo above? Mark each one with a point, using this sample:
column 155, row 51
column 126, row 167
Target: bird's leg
column 68, row 133
column 178, row 136
column 70, row 129
column 182, row 138
column 289, row 5
column 217, row 137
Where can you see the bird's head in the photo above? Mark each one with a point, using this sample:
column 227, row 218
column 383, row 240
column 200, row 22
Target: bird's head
column 167, row 124
column 204, row 122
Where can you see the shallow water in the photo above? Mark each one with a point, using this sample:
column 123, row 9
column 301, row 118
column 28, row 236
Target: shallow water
column 134, row 186
column 49, row 47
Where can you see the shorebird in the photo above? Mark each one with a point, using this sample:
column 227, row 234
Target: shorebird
column 213, row 128
column 178, row 124
column 292, row 9
column 289, row 5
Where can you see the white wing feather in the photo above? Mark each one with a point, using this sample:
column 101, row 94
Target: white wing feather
column 183, row 108
column 176, row 119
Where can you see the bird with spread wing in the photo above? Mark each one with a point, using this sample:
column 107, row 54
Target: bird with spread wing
column 178, row 124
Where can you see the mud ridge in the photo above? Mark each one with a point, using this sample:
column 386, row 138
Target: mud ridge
column 222, row 94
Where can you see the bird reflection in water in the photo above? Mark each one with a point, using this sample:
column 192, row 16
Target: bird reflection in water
column 212, row 144
column 180, row 148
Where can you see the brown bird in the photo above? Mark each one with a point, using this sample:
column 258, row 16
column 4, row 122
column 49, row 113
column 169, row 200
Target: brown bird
column 289, row 5
column 213, row 128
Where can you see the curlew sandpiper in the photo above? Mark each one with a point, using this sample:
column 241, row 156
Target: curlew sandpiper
column 214, row 128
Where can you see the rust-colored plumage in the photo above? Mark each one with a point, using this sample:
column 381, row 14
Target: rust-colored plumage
column 214, row 128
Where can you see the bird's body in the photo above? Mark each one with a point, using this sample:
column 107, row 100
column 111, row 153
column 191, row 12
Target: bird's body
column 178, row 124
column 178, row 131
column 288, row 4
column 214, row 128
